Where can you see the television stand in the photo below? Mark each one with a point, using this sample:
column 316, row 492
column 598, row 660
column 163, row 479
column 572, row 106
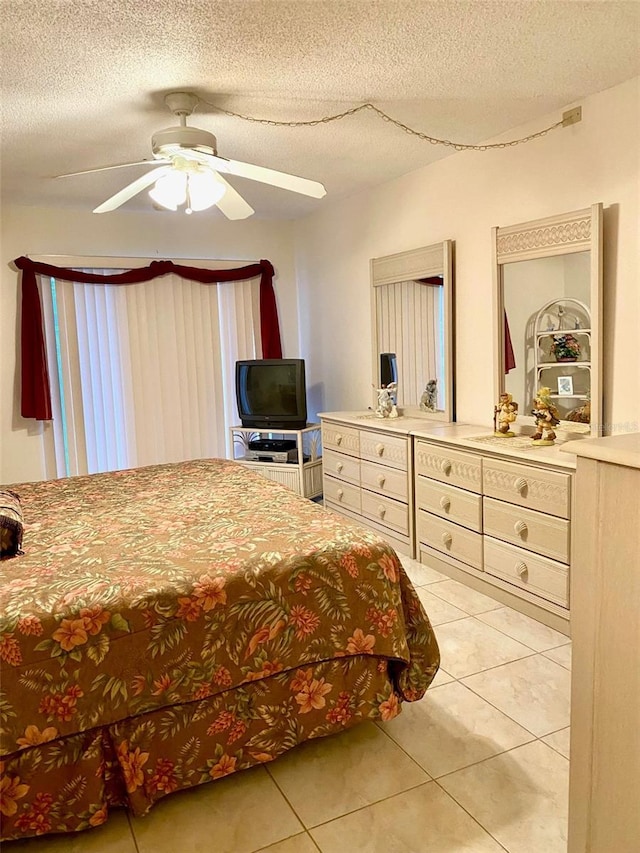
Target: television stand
column 302, row 474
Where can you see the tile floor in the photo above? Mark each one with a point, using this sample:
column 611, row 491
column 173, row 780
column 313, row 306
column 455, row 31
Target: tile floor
column 480, row 765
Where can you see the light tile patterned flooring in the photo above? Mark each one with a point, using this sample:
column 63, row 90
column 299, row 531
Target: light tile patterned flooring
column 480, row 765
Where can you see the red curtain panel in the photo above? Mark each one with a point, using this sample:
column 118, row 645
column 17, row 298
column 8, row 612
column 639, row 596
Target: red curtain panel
column 35, row 390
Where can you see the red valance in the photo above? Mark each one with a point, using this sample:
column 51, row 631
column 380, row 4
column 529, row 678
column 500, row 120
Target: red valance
column 36, row 394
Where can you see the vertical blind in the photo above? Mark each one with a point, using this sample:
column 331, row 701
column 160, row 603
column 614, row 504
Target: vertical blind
column 411, row 323
column 144, row 374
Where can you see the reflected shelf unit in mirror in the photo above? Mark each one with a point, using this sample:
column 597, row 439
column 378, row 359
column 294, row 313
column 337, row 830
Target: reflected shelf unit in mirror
column 412, row 329
column 562, row 356
column 548, row 316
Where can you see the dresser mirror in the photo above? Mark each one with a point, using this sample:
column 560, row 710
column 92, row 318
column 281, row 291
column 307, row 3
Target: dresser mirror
column 548, row 316
column 412, row 305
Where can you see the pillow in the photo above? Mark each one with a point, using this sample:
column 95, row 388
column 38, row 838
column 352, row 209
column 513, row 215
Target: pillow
column 10, row 524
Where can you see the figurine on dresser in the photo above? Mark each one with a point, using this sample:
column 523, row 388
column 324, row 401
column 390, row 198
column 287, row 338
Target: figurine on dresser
column 546, row 416
column 429, row 399
column 386, row 407
column 504, row 414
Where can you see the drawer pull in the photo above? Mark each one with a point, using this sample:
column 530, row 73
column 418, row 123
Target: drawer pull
column 446, row 466
column 522, row 569
column 381, row 511
column 340, row 494
column 520, row 527
column 520, row 484
column 447, row 539
column 338, row 438
column 339, row 467
column 445, row 503
column 379, row 449
column 381, row 479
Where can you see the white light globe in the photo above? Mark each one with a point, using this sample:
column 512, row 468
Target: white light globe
column 170, row 190
column 204, row 189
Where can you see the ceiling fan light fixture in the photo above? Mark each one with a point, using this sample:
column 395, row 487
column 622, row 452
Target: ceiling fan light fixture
column 203, row 190
column 170, row 191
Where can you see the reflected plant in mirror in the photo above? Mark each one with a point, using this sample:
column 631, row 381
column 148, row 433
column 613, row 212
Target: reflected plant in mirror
column 413, row 329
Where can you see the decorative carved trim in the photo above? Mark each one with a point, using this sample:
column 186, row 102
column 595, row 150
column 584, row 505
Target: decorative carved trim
column 469, row 472
column 555, row 235
column 542, row 491
column 392, row 453
column 349, row 441
column 407, row 266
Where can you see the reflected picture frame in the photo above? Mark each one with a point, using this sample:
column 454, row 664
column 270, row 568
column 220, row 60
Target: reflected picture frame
column 565, row 386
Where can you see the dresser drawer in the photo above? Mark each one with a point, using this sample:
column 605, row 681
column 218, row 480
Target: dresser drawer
column 389, row 449
column 342, row 438
column 535, row 531
column 449, row 466
column 450, row 538
column 386, row 511
column 385, row 481
column 535, row 488
column 449, row 502
column 523, row 569
column 338, row 465
column 339, row 492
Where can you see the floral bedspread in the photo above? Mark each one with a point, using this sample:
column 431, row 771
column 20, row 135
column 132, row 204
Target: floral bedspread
column 173, row 586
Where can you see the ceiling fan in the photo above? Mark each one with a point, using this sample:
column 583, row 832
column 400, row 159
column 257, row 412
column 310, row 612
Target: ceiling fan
column 188, row 170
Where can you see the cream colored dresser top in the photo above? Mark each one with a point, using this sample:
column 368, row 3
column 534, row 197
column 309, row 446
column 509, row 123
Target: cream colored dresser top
column 481, row 438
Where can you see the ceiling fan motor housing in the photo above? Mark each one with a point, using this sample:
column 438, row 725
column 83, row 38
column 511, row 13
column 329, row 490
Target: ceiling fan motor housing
column 183, row 137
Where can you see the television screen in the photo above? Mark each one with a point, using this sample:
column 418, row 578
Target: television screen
column 388, row 368
column 272, row 393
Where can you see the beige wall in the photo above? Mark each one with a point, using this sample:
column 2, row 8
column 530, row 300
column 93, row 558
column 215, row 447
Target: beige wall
column 462, row 197
column 37, row 231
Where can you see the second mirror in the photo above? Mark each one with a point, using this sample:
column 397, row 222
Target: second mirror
column 413, row 328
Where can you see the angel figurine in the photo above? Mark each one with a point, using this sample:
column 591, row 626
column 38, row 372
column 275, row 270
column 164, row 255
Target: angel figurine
column 547, row 417
column 386, row 407
column 429, row 399
column 504, row 414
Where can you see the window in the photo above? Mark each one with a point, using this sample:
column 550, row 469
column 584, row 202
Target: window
column 144, row 374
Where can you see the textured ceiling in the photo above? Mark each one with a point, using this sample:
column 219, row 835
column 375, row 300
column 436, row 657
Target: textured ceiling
column 83, row 83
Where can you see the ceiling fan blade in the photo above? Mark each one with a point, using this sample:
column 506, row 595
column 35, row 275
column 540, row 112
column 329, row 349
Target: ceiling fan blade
column 132, row 189
column 232, row 204
column 262, row 174
column 117, row 166
column 276, row 179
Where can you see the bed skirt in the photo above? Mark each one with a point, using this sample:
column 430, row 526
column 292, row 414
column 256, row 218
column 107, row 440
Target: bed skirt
column 70, row 784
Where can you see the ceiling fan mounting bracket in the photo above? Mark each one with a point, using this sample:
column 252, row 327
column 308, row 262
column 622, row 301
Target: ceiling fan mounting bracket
column 181, row 103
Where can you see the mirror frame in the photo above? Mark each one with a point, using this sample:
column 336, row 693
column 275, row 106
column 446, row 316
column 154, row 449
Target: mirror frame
column 578, row 231
column 436, row 259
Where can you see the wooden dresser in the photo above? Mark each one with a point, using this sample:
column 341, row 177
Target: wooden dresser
column 368, row 472
column 496, row 514
column 604, row 789
column 493, row 513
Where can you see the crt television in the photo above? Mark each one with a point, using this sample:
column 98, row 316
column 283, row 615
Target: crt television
column 271, row 393
column 388, row 368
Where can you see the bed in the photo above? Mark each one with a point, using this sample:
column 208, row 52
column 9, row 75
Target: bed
column 167, row 626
